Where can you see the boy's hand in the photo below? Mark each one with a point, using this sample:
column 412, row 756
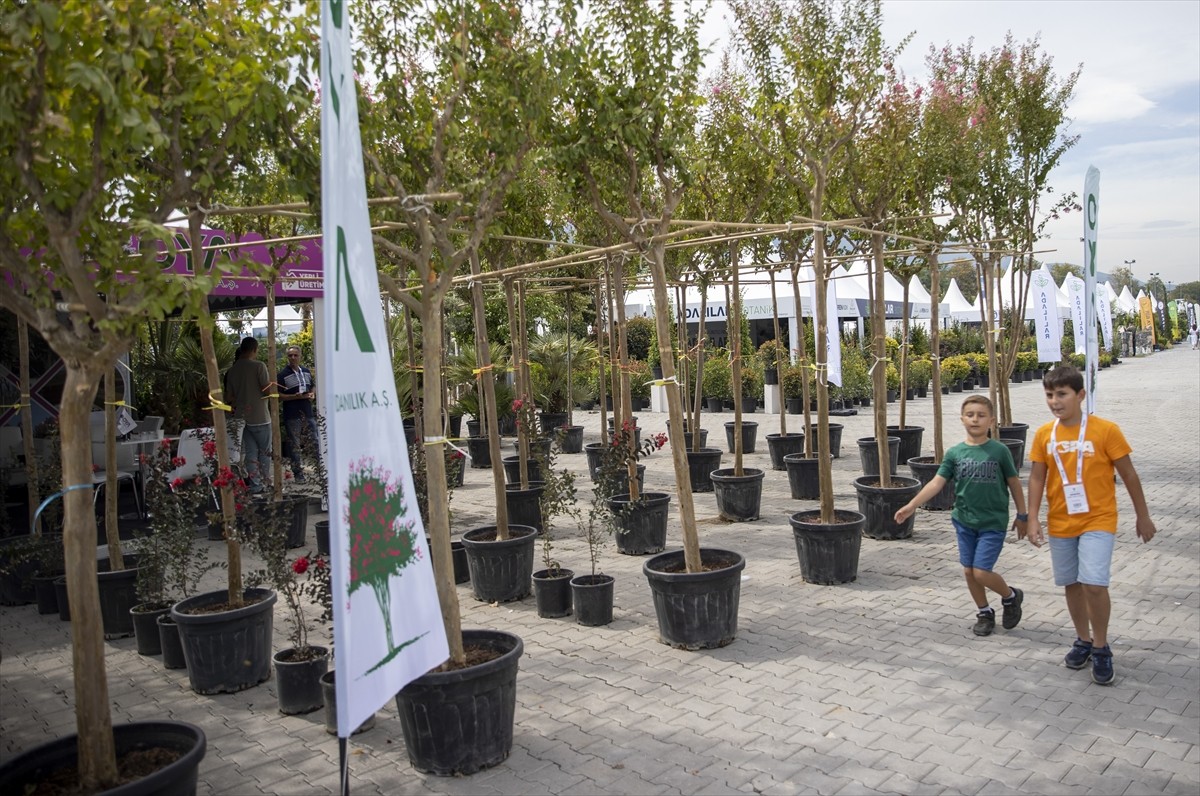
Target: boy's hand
column 906, row 511
column 1145, row 529
column 1032, row 531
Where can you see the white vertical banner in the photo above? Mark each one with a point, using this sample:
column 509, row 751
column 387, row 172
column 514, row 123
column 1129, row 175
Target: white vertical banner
column 1044, row 294
column 833, row 340
column 387, row 620
column 1091, row 220
column 1076, row 295
column 1104, row 311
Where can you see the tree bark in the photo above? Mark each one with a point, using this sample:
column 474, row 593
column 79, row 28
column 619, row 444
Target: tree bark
column 31, row 459
column 935, row 351
column 487, row 394
column 879, row 369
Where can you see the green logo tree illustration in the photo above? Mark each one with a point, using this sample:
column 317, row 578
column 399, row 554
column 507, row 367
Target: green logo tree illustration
column 382, row 541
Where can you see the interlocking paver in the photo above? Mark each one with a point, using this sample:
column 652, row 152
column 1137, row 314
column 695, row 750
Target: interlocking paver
column 873, row 686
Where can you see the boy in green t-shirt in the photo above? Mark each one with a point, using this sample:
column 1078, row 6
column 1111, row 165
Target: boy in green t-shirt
column 981, row 469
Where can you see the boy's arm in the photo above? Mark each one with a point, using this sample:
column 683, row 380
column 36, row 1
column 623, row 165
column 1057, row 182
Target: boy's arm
column 1037, row 488
column 923, row 497
column 1145, row 526
column 1018, row 496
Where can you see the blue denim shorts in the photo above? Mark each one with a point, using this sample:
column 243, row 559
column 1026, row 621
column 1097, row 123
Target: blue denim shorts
column 1086, row 558
column 978, row 549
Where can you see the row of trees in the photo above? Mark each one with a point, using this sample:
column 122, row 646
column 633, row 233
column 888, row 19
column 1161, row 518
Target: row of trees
column 490, row 129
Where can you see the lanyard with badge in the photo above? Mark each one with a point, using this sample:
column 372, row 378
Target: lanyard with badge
column 1077, row 502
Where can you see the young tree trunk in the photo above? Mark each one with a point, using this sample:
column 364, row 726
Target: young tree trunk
column 685, row 377
column 31, row 459
column 273, row 397
column 879, row 369
column 625, row 413
column 987, row 307
column 824, row 459
column 904, row 345
column 603, row 353
column 935, row 351
column 802, row 356
column 701, row 327
column 733, row 314
column 97, row 752
column 514, row 336
column 778, row 338
column 112, row 489
column 487, row 392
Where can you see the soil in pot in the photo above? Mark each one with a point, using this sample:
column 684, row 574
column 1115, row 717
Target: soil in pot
column 154, row 757
column 592, row 596
column 879, row 506
column 227, row 649
column 552, row 592
column 460, row 721
column 738, row 496
column 696, row 610
column 641, row 526
column 828, row 553
column 781, row 445
column 298, row 679
column 501, row 571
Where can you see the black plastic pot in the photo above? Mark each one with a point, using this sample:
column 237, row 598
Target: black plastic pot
column 551, row 421
column 749, row 435
column 696, row 610
column 688, row 437
column 298, row 682
column 641, row 526
column 524, row 507
column 500, row 569
column 749, row 404
column 462, row 569
column 592, row 596
column 795, row 406
column 293, row 518
column 458, row 722
column 552, row 592
column 321, row 529
column 43, row 591
column 456, row 470
column 60, row 593
column 1016, row 447
column 118, row 594
column 456, row 426
column 473, row 428
column 781, row 445
column 16, row 576
column 835, row 438
column 700, row 464
column 770, row 375
column 714, row 404
column 145, row 627
column 23, row 773
column 594, row 451
column 879, row 505
column 924, row 468
column 169, row 643
column 570, row 438
column 910, row 440
column 804, row 476
column 539, row 447
column 329, row 697
column 512, row 468
column 868, row 454
column 216, row 531
column 480, row 453
column 738, row 496
column 226, row 651
column 620, row 485
column 828, row 553
column 1017, row 431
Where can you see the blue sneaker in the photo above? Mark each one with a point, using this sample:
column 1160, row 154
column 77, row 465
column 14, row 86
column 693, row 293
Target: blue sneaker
column 1102, row 666
column 1078, row 655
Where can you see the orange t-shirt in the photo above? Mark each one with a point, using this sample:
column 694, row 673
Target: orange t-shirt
column 1103, row 445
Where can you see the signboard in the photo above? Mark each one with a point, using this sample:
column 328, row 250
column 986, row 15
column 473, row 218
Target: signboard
column 388, row 626
column 1091, row 220
column 1043, row 291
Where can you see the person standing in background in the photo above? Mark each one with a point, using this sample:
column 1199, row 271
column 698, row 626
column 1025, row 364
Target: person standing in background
column 296, row 390
column 247, row 384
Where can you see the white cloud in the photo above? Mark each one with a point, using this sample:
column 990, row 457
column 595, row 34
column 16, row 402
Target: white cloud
column 1111, row 102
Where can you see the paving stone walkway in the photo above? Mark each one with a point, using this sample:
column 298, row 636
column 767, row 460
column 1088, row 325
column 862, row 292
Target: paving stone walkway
column 877, row 686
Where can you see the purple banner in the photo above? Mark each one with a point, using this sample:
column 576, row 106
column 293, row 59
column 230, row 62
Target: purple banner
column 301, row 274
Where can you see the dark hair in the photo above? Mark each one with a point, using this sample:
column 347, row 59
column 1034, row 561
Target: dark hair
column 979, row 399
column 248, row 346
column 1063, row 376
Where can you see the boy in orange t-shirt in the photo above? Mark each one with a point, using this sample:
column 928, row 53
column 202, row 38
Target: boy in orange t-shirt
column 1082, row 513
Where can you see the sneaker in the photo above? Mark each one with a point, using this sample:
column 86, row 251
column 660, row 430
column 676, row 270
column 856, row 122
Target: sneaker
column 985, row 623
column 1012, row 609
column 1102, row 666
column 1078, row 655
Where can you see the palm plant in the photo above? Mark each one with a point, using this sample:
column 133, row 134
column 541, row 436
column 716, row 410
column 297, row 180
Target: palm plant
column 559, row 355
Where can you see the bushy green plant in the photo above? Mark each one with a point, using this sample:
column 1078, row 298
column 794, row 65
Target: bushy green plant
column 892, row 376
column 718, row 376
column 918, row 341
column 855, row 381
column 792, row 378
column 550, row 367
column 955, row 369
column 638, row 333
column 1027, row 360
column 752, row 381
column 772, row 355
column 920, row 372
column 639, row 379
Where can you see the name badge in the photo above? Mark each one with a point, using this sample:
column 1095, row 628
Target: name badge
column 1077, row 502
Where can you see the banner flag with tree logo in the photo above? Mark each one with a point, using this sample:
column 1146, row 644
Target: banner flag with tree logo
column 388, row 626
column 1046, row 323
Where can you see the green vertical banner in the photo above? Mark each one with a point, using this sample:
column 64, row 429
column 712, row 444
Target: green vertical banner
column 388, row 627
column 1091, row 220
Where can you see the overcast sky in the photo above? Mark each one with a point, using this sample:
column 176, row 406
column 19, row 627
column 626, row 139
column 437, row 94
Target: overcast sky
column 1136, row 109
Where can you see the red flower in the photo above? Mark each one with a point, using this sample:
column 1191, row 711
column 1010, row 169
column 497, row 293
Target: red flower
column 177, row 483
column 166, row 443
column 300, row 566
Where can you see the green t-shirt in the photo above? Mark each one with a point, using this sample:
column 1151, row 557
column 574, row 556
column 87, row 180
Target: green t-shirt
column 980, row 474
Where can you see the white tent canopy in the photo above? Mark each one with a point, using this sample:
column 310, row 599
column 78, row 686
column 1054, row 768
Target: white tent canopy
column 1126, row 302
column 959, row 308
